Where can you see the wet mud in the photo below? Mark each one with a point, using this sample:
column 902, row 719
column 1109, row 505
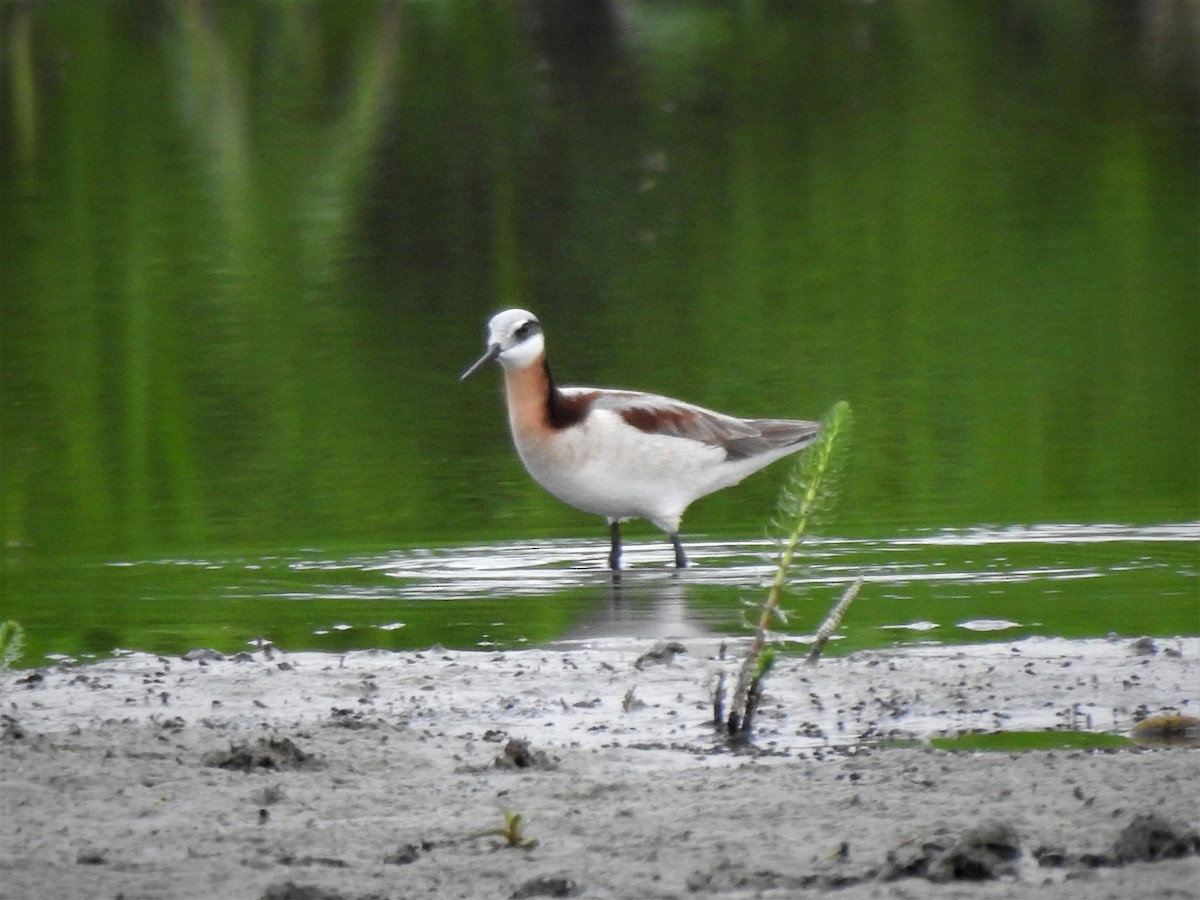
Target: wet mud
column 384, row 775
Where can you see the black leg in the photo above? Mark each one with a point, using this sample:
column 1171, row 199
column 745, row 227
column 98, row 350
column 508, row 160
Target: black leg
column 680, row 557
column 614, row 555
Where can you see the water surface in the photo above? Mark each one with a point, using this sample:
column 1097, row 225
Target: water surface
column 929, row 587
column 248, row 247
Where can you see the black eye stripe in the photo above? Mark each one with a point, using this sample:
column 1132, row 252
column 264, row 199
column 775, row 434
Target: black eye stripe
column 525, row 329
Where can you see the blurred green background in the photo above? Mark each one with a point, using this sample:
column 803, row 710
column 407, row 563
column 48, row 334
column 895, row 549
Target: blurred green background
column 247, row 247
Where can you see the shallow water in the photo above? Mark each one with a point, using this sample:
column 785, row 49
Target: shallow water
column 243, row 268
column 944, row 586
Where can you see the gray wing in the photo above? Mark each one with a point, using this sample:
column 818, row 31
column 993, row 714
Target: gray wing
column 739, row 438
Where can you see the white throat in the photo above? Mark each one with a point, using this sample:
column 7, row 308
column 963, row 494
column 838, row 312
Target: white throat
column 521, row 355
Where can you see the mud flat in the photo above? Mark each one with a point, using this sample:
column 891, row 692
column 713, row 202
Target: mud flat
column 377, row 774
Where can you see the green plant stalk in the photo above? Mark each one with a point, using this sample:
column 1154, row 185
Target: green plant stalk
column 809, row 503
column 12, row 643
column 825, row 632
column 766, row 662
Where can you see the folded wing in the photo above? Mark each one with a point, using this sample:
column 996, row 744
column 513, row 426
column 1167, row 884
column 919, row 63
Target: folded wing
column 739, row 438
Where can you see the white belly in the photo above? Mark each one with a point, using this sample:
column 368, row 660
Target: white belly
column 606, row 467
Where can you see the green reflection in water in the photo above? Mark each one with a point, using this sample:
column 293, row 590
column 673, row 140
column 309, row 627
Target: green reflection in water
column 248, row 247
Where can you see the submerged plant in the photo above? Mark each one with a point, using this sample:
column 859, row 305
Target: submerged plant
column 808, row 493
column 12, row 644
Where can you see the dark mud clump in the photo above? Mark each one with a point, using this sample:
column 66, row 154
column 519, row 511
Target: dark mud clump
column 350, row 719
column 661, row 654
column 517, row 754
column 289, row 890
column 555, row 886
column 10, row 730
column 986, row 851
column 264, row 755
column 1150, row 838
column 407, row 854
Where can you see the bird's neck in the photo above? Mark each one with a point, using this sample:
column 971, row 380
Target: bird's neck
column 530, row 391
column 535, row 404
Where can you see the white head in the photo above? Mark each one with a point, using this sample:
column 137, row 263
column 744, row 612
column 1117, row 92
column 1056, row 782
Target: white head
column 514, row 340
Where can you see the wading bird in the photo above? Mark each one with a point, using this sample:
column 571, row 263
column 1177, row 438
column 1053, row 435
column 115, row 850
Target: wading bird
column 624, row 454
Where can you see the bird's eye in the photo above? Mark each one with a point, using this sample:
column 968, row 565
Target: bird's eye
column 525, row 329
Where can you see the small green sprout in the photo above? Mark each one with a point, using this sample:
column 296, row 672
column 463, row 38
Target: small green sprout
column 513, row 832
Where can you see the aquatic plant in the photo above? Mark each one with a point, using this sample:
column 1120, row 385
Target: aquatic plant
column 832, row 620
column 808, row 494
column 12, row 644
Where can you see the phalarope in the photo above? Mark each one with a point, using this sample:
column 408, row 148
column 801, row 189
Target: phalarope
column 624, row 454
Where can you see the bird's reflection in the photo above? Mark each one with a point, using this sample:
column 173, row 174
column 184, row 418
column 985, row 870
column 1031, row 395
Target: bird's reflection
column 651, row 606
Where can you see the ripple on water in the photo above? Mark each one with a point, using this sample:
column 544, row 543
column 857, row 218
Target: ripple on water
column 946, row 585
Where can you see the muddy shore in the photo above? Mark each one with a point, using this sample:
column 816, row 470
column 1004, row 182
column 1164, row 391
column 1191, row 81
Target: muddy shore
column 372, row 774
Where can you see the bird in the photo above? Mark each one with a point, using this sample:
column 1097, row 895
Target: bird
column 624, row 454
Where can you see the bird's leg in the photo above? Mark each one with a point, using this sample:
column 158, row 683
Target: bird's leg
column 680, row 557
column 614, row 555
